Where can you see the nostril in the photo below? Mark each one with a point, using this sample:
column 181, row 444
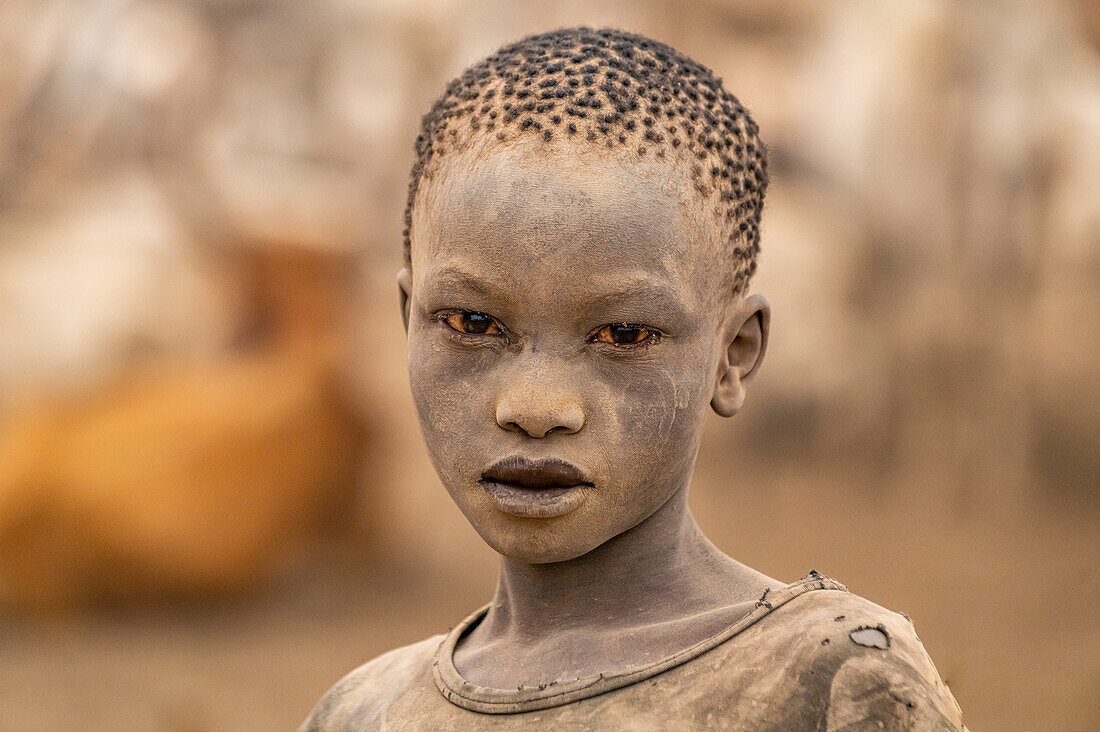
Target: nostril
column 542, row 420
column 537, row 431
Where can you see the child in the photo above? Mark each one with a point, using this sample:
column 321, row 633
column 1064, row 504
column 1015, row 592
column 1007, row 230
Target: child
column 582, row 224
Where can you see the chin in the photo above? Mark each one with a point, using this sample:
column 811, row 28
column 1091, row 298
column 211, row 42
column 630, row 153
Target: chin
column 537, row 545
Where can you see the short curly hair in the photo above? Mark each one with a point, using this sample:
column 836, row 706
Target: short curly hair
column 616, row 89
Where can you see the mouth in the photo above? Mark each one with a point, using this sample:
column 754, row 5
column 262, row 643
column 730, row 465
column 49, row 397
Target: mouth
column 535, row 488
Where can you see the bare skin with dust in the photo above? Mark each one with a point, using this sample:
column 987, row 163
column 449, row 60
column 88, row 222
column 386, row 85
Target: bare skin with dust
column 511, row 239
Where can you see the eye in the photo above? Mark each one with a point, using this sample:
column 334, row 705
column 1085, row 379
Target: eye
column 472, row 323
column 625, row 334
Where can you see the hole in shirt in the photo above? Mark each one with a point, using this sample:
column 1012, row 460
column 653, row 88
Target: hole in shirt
column 875, row 637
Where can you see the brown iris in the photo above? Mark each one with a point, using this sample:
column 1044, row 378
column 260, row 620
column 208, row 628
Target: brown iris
column 623, row 334
column 473, row 323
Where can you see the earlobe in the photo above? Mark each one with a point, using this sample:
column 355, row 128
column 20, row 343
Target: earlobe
column 404, row 286
column 745, row 339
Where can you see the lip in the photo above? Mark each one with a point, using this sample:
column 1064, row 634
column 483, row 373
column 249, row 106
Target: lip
column 535, row 488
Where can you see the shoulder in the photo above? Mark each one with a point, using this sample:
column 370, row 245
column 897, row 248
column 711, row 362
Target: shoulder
column 364, row 693
column 866, row 665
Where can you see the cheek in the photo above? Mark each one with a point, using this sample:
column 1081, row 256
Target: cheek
column 658, row 418
column 451, row 398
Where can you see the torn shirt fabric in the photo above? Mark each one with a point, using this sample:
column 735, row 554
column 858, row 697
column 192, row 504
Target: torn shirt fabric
column 810, row 655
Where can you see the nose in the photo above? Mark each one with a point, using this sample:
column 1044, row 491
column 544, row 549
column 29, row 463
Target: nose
column 539, row 410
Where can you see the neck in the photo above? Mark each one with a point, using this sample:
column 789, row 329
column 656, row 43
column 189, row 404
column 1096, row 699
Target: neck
column 662, row 567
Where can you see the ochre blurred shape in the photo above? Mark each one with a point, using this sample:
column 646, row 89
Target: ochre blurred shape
column 185, row 478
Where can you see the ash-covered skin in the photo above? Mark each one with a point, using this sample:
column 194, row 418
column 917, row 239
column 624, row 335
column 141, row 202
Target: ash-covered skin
column 554, row 242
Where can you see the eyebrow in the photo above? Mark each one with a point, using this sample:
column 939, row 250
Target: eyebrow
column 450, row 276
column 640, row 290
column 640, row 287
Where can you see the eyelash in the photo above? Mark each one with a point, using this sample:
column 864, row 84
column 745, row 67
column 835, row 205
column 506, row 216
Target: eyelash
column 653, row 336
column 445, row 317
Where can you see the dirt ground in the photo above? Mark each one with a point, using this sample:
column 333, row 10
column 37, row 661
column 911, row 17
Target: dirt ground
column 1004, row 604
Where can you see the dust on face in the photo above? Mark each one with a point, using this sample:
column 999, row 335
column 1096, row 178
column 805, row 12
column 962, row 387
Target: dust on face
column 563, row 305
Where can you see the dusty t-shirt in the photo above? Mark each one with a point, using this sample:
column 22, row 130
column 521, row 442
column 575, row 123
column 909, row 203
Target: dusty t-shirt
column 810, row 655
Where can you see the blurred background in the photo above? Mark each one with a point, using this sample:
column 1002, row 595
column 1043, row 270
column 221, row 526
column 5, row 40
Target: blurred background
column 214, row 500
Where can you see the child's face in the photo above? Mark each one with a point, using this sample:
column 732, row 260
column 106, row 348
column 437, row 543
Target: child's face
column 594, row 328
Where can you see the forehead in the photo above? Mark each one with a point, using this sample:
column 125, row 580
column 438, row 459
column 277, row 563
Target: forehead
column 558, row 212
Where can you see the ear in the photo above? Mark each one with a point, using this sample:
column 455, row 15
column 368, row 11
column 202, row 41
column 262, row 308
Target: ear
column 404, row 287
column 744, row 341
